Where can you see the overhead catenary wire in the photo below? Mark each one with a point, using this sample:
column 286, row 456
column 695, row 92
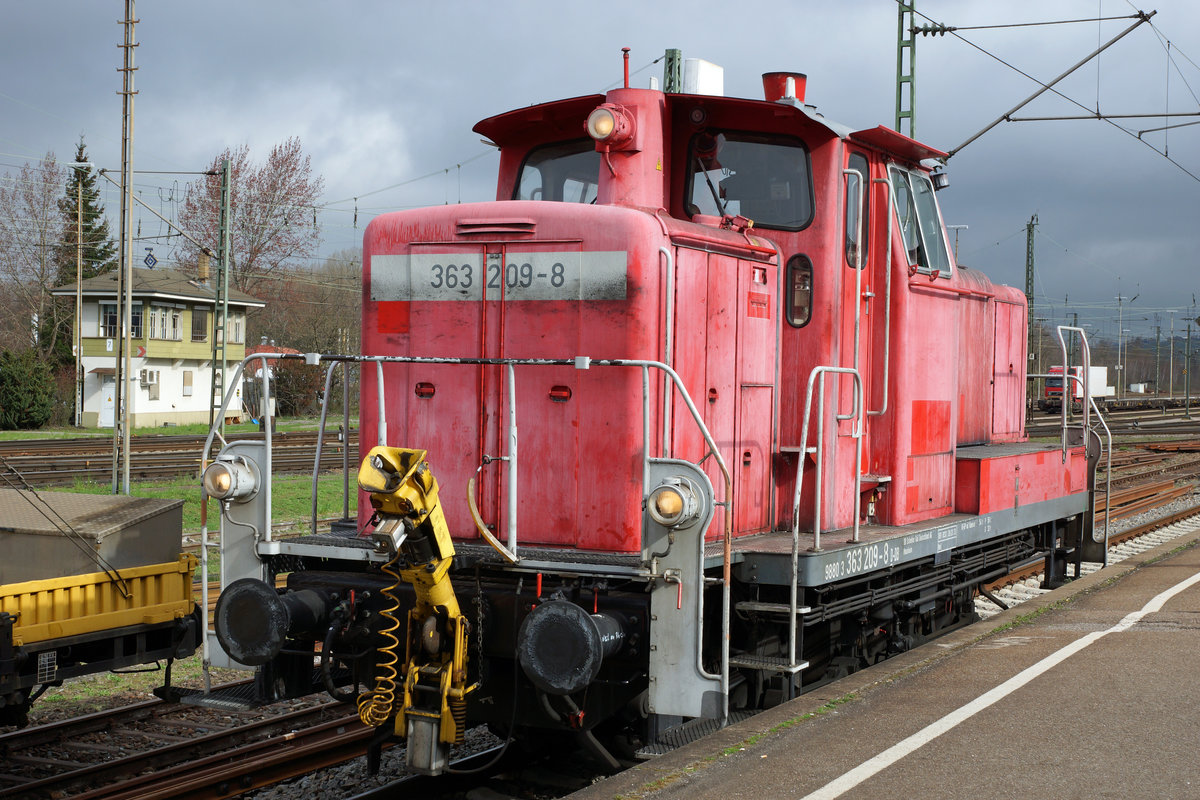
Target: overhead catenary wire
column 1142, row 18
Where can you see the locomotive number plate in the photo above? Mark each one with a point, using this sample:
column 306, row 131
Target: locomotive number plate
column 570, row 275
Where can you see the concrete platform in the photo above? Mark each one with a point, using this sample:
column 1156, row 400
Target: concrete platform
column 1091, row 690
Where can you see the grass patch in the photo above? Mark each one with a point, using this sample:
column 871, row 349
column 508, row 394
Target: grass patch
column 291, row 497
column 103, row 690
column 750, row 741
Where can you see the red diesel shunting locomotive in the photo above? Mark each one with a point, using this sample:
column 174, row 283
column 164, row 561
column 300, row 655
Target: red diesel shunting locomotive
column 707, row 415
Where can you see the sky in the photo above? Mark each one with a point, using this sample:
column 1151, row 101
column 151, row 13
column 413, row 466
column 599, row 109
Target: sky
column 383, row 96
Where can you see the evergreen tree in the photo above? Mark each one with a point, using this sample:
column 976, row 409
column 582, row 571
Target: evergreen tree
column 26, row 390
column 99, row 250
column 99, row 253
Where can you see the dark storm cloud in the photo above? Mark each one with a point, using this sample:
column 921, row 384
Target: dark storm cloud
column 383, row 93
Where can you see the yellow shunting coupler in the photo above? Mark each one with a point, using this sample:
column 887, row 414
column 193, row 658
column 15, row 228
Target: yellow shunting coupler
column 432, row 711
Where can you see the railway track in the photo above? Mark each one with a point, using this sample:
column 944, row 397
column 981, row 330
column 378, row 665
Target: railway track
column 1143, row 422
column 161, row 750
column 1025, row 583
column 54, row 462
column 156, row 749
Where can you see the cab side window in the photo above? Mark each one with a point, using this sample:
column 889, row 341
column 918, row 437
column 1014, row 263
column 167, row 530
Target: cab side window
column 858, row 163
column 919, row 220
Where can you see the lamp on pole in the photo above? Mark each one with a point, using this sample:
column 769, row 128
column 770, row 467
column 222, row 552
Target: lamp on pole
column 1171, row 351
column 956, row 229
column 1120, row 321
column 1122, row 354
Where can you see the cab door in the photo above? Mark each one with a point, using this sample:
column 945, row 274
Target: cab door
column 864, row 319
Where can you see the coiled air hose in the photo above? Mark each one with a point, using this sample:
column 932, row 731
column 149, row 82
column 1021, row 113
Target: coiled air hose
column 375, row 706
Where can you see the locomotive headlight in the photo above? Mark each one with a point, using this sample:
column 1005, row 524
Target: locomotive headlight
column 231, row 479
column 600, row 123
column 673, row 503
column 610, row 124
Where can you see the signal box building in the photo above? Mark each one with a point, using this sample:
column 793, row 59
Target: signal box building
column 171, row 343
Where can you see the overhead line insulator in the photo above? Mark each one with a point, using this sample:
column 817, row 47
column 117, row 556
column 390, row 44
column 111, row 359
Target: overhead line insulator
column 935, row 29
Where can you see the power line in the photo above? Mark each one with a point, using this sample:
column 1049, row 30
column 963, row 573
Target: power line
column 1142, row 16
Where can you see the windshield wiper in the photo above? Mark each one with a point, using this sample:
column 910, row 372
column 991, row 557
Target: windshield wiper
column 716, row 195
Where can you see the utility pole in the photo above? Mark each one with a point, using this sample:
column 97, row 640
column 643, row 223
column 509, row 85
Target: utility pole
column 906, row 69
column 1157, row 358
column 221, row 303
column 1029, row 231
column 125, row 284
column 1074, row 337
column 1187, row 375
column 673, row 71
column 78, row 300
column 1120, row 341
column 1171, row 351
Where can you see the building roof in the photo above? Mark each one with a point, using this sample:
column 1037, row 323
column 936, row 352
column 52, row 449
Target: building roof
column 158, row 284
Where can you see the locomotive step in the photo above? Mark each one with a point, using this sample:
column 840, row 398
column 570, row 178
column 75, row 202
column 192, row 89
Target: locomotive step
column 236, row 697
column 690, row 731
column 770, row 608
column 767, row 663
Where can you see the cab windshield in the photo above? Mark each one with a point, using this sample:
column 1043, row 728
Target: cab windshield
column 567, row 172
column 764, row 178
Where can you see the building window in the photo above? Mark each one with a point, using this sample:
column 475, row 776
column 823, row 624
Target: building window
column 176, row 326
column 236, row 335
column 187, row 383
column 199, row 324
column 108, row 320
column 159, row 325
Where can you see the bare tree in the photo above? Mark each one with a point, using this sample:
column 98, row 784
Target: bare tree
column 31, row 232
column 317, row 308
column 273, row 212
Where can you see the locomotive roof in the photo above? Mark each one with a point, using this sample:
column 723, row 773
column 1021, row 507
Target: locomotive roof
column 563, row 119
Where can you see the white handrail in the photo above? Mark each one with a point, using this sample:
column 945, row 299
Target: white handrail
column 579, row 362
column 818, row 376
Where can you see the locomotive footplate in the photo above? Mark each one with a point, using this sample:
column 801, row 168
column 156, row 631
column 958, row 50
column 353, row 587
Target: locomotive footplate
column 766, row 558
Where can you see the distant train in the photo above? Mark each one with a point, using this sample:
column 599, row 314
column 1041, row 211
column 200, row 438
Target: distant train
column 1100, row 391
column 698, row 414
column 89, row 584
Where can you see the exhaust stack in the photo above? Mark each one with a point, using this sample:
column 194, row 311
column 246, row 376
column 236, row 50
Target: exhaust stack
column 784, row 86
